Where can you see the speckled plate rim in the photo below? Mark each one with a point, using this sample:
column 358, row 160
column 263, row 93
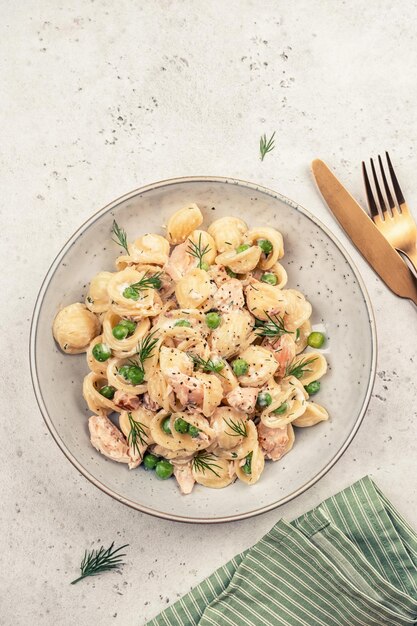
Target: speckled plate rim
column 38, row 391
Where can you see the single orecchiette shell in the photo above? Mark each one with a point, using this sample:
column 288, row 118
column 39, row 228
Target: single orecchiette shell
column 240, row 262
column 213, row 392
column 234, row 333
column 314, row 366
column 267, row 261
column 95, row 401
column 182, row 223
column 193, row 289
column 227, row 232
column 278, row 270
column 205, row 242
column 173, row 359
column 215, row 473
column 293, row 394
column 262, row 366
column 74, row 327
column 148, row 303
column 123, row 348
column 257, row 467
column 303, row 333
column 227, row 423
column 263, row 300
column 119, row 382
column 97, row 299
column 204, row 438
column 313, row 414
column 160, row 392
column 94, row 365
column 150, row 248
column 242, row 449
column 297, row 309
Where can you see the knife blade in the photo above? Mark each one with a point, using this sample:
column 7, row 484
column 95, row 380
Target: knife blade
column 373, row 246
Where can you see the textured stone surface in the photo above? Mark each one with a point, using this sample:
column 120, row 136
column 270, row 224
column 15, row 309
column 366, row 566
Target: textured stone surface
column 102, row 97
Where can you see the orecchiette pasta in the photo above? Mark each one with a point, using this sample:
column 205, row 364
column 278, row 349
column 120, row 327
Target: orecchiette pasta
column 198, row 346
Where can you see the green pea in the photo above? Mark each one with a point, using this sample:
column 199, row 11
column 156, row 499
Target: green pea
column 281, row 409
column 247, row 468
column 240, row 367
column 165, row 426
column 213, row 320
column 219, row 366
column 312, row 387
column 124, row 371
column 204, row 266
column 193, row 431
column 131, row 326
column 264, row 399
column 101, row 352
column 181, row 426
column 131, row 294
column 135, row 375
column 150, row 461
column 265, row 245
column 230, row 272
column 269, row 278
column 182, row 323
column 107, row 391
column 120, row 332
column 316, row 339
column 164, row 469
column 242, row 248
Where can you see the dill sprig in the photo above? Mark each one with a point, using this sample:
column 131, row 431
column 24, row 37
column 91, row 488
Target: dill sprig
column 197, row 251
column 101, row 560
column 297, row 369
column 274, row 327
column 120, row 235
column 144, row 350
column 238, row 428
column 146, row 282
column 137, row 434
column 203, row 461
column 207, row 366
column 266, row 145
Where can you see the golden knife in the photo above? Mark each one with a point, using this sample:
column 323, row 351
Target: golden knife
column 373, row 246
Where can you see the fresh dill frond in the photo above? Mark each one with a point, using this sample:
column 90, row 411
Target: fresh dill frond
column 266, row 145
column 120, row 235
column 98, row 561
column 196, row 250
column 274, row 327
column 146, row 282
column 144, row 350
column 297, row 369
column 207, row 366
column 238, row 428
column 203, row 461
column 137, row 434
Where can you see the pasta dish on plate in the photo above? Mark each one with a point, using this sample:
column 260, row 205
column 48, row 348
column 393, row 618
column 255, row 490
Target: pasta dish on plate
column 196, row 352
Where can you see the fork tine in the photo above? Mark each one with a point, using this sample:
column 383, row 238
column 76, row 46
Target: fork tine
column 390, row 199
column 373, row 209
column 378, row 189
column 397, row 189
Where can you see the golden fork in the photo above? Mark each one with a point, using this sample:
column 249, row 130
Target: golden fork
column 396, row 223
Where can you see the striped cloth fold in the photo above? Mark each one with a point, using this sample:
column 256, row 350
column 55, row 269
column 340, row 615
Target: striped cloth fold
column 352, row 561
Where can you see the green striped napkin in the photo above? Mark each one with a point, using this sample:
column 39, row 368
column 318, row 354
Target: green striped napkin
column 352, row 561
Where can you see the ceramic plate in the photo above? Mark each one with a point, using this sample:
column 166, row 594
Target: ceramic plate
column 316, row 264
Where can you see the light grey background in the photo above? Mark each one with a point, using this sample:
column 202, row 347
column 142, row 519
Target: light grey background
column 101, row 97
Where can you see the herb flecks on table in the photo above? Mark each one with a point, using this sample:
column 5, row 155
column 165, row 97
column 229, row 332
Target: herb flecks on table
column 266, row 145
column 196, row 250
column 120, row 235
column 101, row 560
